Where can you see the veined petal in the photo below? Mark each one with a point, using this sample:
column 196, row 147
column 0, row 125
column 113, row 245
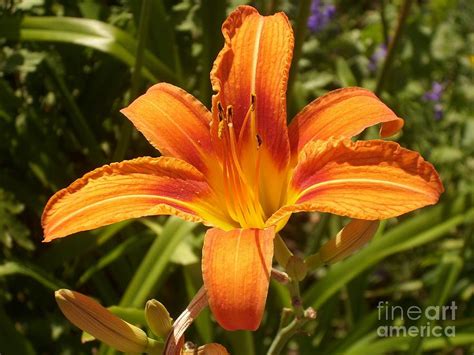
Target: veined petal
column 130, row 189
column 250, row 75
column 365, row 180
column 236, row 268
column 341, row 113
column 175, row 123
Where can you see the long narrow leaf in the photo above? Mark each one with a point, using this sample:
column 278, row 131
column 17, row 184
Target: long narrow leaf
column 33, row 271
column 393, row 242
column 85, row 32
column 155, row 262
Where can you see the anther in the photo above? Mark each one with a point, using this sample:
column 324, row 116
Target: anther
column 220, row 129
column 230, row 113
column 220, row 110
column 253, row 100
column 259, row 141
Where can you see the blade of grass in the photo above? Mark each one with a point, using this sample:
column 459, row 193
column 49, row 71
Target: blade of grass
column 155, row 262
column 10, row 268
column 66, row 249
column 400, row 344
column 393, row 242
column 11, row 340
column 393, row 45
column 126, row 129
column 301, row 28
column 96, row 155
column 448, row 271
column 212, row 16
column 116, row 253
column 242, row 342
column 85, row 32
column 193, row 282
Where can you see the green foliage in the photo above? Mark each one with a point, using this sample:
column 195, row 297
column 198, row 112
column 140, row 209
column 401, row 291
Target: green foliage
column 66, row 68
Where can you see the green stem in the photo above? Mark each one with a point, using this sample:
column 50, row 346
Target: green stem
column 393, row 45
column 301, row 318
column 126, row 129
column 296, row 301
column 79, row 122
column 383, row 18
column 272, row 7
column 300, row 34
column 285, row 334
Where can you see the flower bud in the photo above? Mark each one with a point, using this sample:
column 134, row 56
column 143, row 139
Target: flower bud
column 349, row 239
column 158, row 318
column 90, row 316
column 212, row 349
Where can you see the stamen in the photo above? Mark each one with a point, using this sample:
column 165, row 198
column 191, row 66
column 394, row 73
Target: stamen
column 220, row 129
column 241, row 182
column 220, row 109
column 230, row 113
column 253, row 100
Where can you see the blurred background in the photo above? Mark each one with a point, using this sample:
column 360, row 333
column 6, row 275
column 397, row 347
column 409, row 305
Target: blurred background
column 67, row 67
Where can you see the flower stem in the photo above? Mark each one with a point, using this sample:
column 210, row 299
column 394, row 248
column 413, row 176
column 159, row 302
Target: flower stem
column 286, row 333
column 126, row 129
column 383, row 18
column 301, row 318
column 392, row 47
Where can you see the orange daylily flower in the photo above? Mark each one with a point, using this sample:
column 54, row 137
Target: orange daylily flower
column 242, row 171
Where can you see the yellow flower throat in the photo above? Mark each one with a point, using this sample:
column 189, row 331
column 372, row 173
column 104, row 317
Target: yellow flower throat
column 241, row 167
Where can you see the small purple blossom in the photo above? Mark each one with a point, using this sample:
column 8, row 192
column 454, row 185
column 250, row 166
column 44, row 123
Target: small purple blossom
column 435, row 93
column 438, row 111
column 378, row 56
column 320, row 16
column 434, row 96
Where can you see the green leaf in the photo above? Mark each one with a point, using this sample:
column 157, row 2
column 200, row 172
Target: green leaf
column 69, row 248
column 367, row 345
column 344, row 73
column 117, row 253
column 447, row 274
column 85, row 32
column 156, row 261
column 193, row 282
column 185, row 254
column 11, row 340
column 242, row 342
column 131, row 315
column 446, row 42
column 22, row 268
column 398, row 239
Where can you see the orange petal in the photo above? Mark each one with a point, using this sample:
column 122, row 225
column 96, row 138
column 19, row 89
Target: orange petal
column 365, row 180
column 255, row 60
column 341, row 113
column 130, row 189
column 175, row 123
column 236, row 268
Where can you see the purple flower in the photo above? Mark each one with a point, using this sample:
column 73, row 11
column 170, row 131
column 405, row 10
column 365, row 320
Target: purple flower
column 378, row 56
column 320, row 16
column 438, row 111
column 435, row 93
column 434, row 96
